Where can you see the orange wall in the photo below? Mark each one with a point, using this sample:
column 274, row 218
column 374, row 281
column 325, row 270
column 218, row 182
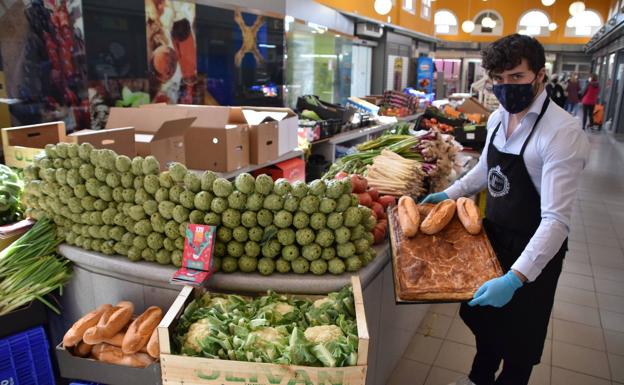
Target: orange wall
column 512, row 10
column 397, row 15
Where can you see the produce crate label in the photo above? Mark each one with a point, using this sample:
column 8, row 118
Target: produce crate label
column 274, row 376
column 198, row 247
column 190, row 277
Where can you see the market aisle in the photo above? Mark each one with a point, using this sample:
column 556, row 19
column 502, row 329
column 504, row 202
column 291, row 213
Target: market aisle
column 585, row 344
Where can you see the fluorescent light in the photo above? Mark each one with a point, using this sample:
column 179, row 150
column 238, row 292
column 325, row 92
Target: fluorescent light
column 576, row 8
column 267, row 45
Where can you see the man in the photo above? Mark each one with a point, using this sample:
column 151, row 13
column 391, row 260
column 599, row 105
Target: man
column 530, row 167
column 557, row 94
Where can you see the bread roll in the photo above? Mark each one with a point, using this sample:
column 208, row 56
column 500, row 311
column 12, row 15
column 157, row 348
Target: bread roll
column 438, row 217
column 468, row 214
column 76, row 332
column 111, row 322
column 114, row 355
column 83, row 349
column 409, row 217
column 141, row 329
column 153, row 345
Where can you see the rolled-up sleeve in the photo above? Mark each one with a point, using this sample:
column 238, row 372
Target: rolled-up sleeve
column 564, row 157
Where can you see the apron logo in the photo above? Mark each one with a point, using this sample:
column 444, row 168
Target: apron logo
column 498, row 184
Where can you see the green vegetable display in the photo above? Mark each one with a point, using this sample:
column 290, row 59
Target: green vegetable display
column 10, row 192
column 272, row 328
column 113, row 204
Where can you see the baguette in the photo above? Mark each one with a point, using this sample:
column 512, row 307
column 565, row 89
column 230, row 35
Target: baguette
column 111, row 322
column 76, row 332
column 140, row 330
column 153, row 345
column 114, row 355
column 117, row 340
column 438, row 217
column 468, row 214
column 83, row 349
column 409, row 217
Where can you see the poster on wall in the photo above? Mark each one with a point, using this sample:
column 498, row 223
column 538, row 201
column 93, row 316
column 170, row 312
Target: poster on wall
column 424, row 74
column 172, row 52
column 397, row 73
column 44, row 62
column 241, row 56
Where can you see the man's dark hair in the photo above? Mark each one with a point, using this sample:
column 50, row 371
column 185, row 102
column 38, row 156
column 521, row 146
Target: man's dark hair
column 508, row 52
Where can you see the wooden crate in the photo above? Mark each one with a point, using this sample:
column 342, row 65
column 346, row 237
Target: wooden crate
column 178, row 369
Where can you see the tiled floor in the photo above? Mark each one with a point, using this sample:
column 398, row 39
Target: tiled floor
column 585, row 343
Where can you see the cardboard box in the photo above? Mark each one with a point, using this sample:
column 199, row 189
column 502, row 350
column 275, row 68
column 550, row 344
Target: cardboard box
column 291, row 169
column 120, row 140
column 472, row 106
column 178, row 370
column 96, row 371
column 272, row 131
column 21, row 144
column 158, row 132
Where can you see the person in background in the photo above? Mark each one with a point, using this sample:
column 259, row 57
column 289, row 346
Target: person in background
column 530, row 170
column 572, row 90
column 590, row 98
column 556, row 93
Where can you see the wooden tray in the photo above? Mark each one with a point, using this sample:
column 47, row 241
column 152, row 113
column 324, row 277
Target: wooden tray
column 445, row 267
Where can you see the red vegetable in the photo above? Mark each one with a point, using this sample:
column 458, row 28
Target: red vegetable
column 378, row 209
column 379, row 235
column 387, row 200
column 359, row 184
column 341, row 175
column 365, row 199
column 383, row 223
column 374, row 194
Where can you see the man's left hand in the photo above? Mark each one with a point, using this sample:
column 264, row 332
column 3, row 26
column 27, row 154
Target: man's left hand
column 497, row 292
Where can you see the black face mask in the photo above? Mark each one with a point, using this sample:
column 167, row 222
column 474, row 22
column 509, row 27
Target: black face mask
column 515, row 97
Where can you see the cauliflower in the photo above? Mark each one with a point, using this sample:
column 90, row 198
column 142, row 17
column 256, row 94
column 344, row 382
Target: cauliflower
column 283, row 219
column 192, row 182
column 237, row 200
column 218, row 205
column 281, row 187
column 240, row 234
column 301, row 220
column 273, row 202
column 197, row 333
column 311, row 252
column 202, row 200
column 123, row 163
column 222, row 187
column 320, row 302
column 252, row 249
column 323, row 334
column 187, row 199
column 207, row 180
column 255, row 202
column 247, row 264
column 317, row 187
column 318, row 221
column 336, row 266
column 245, row 183
column 177, row 171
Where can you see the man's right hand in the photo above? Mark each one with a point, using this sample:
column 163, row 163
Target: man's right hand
column 435, row 198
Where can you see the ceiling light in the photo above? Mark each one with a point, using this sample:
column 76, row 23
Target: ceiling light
column 552, row 26
column 548, row 3
column 487, row 21
column 571, row 22
column 576, row 8
column 468, row 26
column 523, row 32
column 383, row 7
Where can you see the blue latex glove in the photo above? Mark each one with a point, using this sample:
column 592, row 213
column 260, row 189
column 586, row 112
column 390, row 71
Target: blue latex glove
column 435, row 198
column 497, row 292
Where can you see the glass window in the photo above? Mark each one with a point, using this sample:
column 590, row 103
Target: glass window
column 586, row 23
column 445, row 22
column 425, row 9
column 488, row 22
column 534, row 23
column 408, row 5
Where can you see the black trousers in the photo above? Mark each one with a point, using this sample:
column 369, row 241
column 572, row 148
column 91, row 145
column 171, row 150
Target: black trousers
column 588, row 109
column 486, row 363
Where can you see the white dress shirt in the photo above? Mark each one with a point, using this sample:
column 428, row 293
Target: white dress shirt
column 554, row 157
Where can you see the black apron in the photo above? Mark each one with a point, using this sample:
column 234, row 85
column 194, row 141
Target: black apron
column 516, row 331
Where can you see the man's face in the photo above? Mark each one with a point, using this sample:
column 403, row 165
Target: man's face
column 520, row 74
